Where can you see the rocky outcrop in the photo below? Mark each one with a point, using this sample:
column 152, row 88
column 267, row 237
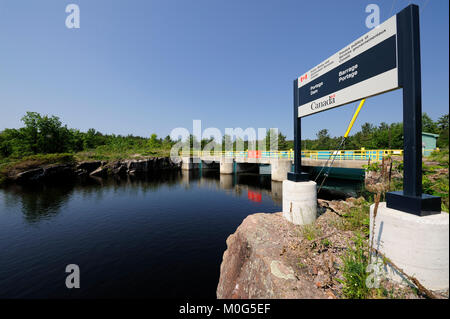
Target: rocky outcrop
column 97, row 169
column 89, row 166
column 256, row 265
column 100, row 172
column 44, row 173
column 30, row 175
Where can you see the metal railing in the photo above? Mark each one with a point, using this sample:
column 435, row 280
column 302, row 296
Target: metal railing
column 373, row 155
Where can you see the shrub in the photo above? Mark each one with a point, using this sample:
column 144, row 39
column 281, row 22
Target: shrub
column 372, row 167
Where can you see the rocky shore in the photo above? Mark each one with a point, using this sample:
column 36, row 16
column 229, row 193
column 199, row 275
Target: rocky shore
column 93, row 168
column 257, row 264
column 269, row 257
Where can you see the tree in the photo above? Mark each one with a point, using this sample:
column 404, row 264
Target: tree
column 271, row 140
column 227, row 143
column 30, row 131
column 323, row 140
column 154, row 142
column 282, row 143
column 89, row 139
column 428, row 125
column 380, row 136
column 442, row 124
column 366, row 137
column 44, row 134
column 167, row 142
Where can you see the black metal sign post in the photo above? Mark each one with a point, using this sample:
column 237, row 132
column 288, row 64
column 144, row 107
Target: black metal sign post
column 411, row 199
column 297, row 175
column 385, row 59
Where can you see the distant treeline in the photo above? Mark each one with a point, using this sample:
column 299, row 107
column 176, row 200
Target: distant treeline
column 383, row 136
column 46, row 134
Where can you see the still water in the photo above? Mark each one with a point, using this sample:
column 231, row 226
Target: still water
column 142, row 237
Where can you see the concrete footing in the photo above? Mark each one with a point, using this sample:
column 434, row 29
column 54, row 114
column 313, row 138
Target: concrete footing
column 189, row 163
column 419, row 245
column 300, row 202
column 226, row 166
column 279, row 169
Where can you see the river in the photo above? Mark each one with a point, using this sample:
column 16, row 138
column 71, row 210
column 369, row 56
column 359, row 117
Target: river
column 159, row 236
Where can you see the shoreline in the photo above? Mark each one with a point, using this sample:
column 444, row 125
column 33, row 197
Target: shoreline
column 52, row 171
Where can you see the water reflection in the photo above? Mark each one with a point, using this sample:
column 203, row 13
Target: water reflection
column 126, row 233
column 45, row 200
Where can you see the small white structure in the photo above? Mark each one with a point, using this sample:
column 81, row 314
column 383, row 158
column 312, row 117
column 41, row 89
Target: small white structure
column 417, row 245
column 226, row 165
column 280, row 168
column 300, row 202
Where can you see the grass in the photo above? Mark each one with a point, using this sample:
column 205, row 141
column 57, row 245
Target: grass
column 12, row 166
column 435, row 180
column 311, row 232
column 354, row 265
column 356, row 218
column 108, row 153
column 442, row 157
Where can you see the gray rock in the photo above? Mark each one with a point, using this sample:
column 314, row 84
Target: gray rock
column 30, row 175
column 254, row 265
column 89, row 166
column 81, row 172
column 58, row 171
column 120, row 170
column 100, row 172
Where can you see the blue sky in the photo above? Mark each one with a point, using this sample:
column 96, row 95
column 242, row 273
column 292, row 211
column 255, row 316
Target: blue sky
column 149, row 66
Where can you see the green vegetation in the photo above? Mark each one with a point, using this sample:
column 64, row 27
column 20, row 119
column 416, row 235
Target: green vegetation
column 441, row 157
column 311, row 232
column 355, row 262
column 45, row 140
column 435, row 178
column 373, row 167
column 47, row 135
column 357, row 219
column 385, row 136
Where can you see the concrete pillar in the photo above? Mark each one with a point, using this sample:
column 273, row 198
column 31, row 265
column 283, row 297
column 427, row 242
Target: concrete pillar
column 417, row 245
column 189, row 163
column 280, row 168
column 186, row 163
column 300, row 202
column 226, row 165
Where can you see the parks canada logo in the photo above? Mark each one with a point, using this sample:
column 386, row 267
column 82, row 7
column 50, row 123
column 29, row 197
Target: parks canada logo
column 318, row 105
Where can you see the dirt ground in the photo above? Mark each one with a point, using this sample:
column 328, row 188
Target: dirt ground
column 318, row 249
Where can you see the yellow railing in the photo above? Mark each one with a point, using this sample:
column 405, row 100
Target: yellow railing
column 373, row 155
